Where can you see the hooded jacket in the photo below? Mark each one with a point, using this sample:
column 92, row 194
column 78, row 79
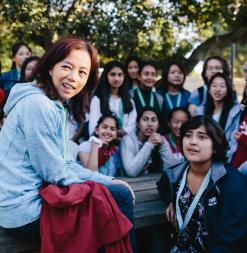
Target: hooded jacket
column 32, row 151
column 225, row 205
column 232, row 125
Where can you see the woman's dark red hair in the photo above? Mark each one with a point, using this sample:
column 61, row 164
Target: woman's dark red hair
column 78, row 104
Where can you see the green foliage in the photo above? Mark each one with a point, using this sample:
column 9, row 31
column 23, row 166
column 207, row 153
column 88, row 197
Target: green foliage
column 154, row 29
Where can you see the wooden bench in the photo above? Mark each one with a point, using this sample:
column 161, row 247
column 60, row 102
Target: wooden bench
column 149, row 208
column 148, row 211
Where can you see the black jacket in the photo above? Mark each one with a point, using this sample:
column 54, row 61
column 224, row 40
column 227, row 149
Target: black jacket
column 225, row 204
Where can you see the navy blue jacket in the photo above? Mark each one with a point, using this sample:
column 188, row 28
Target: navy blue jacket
column 225, row 204
column 8, row 80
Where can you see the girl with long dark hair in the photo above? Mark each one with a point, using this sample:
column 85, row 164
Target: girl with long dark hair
column 206, row 198
column 145, row 151
column 212, row 65
column 20, row 51
column 222, row 106
column 100, row 152
column 27, row 69
column 175, row 119
column 112, row 96
column 132, row 66
column 171, row 89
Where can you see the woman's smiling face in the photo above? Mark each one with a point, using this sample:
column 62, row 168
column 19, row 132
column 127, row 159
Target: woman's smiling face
column 148, row 77
column 177, row 120
column 70, row 75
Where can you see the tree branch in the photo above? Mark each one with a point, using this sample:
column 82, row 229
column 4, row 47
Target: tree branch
column 216, row 41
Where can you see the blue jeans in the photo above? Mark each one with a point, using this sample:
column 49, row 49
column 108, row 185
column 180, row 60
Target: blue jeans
column 122, row 197
column 124, row 201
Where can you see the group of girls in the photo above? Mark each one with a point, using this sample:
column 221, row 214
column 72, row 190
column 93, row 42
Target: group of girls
column 138, row 109
column 22, row 66
column 205, row 195
column 169, row 100
column 128, row 124
column 201, row 186
column 217, row 99
column 125, row 92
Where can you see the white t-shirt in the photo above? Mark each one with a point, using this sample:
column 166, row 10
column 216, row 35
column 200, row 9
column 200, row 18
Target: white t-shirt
column 112, row 166
column 129, row 119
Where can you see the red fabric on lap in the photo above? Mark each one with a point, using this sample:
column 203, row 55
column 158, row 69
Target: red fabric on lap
column 82, row 218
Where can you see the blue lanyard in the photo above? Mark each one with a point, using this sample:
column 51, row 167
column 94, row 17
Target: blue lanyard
column 120, row 112
column 151, row 104
column 168, row 99
column 183, row 223
column 205, row 90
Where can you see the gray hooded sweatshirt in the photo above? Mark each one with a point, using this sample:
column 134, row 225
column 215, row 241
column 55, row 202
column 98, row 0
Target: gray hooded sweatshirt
column 135, row 155
column 33, row 151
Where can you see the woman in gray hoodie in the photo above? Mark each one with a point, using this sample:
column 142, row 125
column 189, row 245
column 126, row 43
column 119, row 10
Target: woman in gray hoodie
column 34, row 137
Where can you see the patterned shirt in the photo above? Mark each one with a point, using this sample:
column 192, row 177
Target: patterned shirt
column 194, row 238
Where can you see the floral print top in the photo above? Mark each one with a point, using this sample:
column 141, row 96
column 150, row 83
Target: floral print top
column 194, row 238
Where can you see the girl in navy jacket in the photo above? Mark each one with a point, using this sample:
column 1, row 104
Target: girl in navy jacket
column 206, row 200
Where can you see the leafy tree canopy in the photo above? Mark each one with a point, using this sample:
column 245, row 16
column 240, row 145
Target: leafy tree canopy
column 150, row 28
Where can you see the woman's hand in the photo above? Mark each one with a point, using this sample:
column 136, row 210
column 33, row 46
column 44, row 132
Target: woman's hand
column 171, row 216
column 121, row 182
column 156, row 139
